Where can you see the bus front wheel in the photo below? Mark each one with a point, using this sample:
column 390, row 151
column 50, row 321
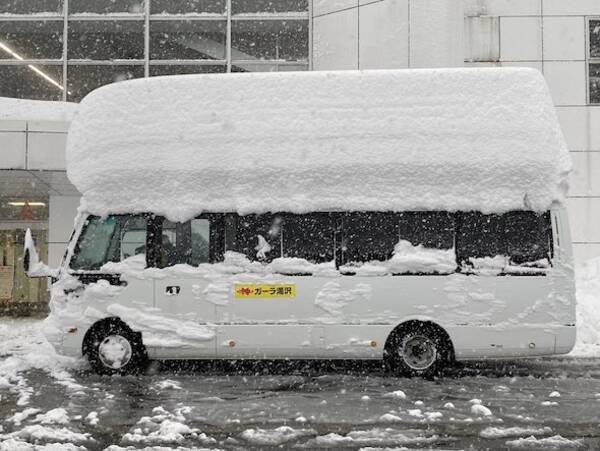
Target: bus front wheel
column 417, row 349
column 112, row 347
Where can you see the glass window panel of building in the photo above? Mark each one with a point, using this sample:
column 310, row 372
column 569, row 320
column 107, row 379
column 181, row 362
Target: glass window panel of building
column 188, row 40
column 85, row 78
column 594, row 60
column 29, row 40
column 217, row 7
column 106, row 6
column 60, row 51
column 31, row 6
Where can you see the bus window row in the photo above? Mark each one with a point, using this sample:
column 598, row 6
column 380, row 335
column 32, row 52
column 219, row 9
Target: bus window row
column 522, row 238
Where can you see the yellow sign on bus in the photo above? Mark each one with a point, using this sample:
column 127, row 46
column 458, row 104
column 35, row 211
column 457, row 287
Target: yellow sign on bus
column 262, row 290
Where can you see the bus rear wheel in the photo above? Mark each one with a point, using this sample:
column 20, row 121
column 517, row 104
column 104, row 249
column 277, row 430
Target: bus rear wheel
column 417, row 349
column 112, row 348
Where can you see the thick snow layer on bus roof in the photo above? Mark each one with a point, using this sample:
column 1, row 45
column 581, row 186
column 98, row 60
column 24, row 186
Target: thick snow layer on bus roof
column 449, row 139
column 35, row 110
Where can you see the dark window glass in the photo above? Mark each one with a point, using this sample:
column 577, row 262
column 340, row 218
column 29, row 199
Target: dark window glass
column 269, row 67
column 177, row 69
column 595, row 38
column 369, row 236
column 106, row 39
column 310, row 237
column 31, row 6
column 259, row 236
column 92, row 248
column 187, row 6
column 111, row 239
column 528, row 236
column 270, row 40
column 594, row 83
column 431, row 229
column 31, row 39
column 479, row 236
column 185, row 243
column 192, row 39
column 522, row 236
column 39, row 82
column 269, row 6
column 83, row 79
column 106, row 6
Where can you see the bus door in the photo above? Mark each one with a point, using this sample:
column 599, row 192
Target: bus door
column 179, row 294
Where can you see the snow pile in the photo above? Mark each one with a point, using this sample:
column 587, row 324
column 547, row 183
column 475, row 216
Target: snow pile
column 373, row 437
column 275, row 437
column 18, row 445
column 479, row 409
column 431, row 139
column 164, row 427
column 37, row 433
column 397, row 394
column 587, row 277
column 35, row 110
column 54, row 416
column 515, row 431
column 158, row 329
column 554, row 442
column 408, row 259
column 501, row 264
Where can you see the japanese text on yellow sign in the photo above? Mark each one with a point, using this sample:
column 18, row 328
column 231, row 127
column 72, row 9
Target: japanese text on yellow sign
column 253, row 290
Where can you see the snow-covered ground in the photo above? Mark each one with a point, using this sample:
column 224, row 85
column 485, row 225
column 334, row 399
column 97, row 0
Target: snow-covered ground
column 588, row 309
column 48, row 402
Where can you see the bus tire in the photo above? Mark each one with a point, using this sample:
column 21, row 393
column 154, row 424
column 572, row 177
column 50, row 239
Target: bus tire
column 418, row 349
column 112, row 348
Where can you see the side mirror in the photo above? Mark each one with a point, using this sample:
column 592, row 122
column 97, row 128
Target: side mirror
column 31, row 261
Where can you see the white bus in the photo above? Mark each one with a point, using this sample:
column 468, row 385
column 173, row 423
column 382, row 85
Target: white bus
column 439, row 269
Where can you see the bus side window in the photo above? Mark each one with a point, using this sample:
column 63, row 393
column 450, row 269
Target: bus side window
column 479, row 236
column 369, row 236
column 528, row 236
column 520, row 237
column 129, row 238
column 259, row 236
column 184, row 242
column 309, row 236
column 430, row 229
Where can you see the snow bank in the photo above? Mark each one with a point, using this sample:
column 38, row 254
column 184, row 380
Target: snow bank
column 35, row 110
column 588, row 310
column 373, row 437
column 23, row 348
column 515, row 431
column 451, row 139
column 275, row 437
column 554, row 442
column 164, row 427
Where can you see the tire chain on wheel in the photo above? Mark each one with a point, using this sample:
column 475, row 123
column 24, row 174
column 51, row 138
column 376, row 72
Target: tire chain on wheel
column 99, row 332
column 394, row 361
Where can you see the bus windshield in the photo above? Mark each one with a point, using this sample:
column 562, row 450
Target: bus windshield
column 109, row 239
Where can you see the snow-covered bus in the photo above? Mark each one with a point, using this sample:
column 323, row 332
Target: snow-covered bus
column 411, row 216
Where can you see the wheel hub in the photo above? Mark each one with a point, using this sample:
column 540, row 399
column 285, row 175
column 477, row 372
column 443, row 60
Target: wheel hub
column 115, row 351
column 419, row 352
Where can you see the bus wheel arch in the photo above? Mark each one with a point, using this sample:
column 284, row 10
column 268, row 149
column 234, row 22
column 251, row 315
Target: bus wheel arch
column 420, row 348
column 112, row 347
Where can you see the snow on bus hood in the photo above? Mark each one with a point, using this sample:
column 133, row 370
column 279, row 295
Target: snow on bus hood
column 429, row 139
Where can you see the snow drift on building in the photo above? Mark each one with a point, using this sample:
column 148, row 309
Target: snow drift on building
column 441, row 139
column 35, row 110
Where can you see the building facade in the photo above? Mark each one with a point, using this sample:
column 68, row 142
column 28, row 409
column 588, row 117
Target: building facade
column 63, row 49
